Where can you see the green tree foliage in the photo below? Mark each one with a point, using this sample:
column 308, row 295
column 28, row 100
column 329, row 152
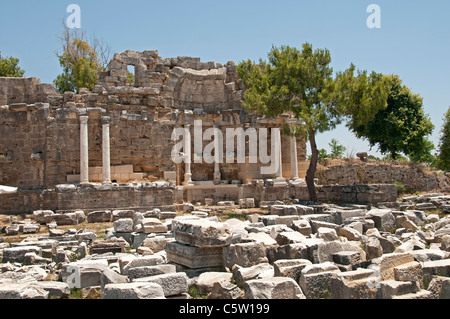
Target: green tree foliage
column 443, row 158
column 402, row 127
column 80, row 61
column 337, row 150
column 9, row 67
column 302, row 83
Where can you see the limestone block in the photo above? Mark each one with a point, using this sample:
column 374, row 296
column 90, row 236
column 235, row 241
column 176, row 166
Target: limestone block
column 153, row 225
column 17, row 254
column 124, row 225
column 194, row 257
column 83, row 274
column 156, row 244
column 55, row 289
column 225, row 290
column 173, row 284
column 347, row 257
column 315, row 280
column 273, row 288
column 133, row 290
column 390, row 288
column 244, row 274
column 289, row 237
column 245, row 254
column 202, row 233
column 350, row 233
column 439, row 287
column 43, row 216
column 25, row 291
column 119, row 214
column 143, row 261
column 373, row 248
column 291, row 268
column 206, row 281
column 327, row 234
column 99, row 217
column 147, row 271
column 383, row 218
column 353, row 285
column 388, row 262
column 110, row 276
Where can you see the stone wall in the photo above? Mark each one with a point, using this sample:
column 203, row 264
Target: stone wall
column 65, row 198
column 40, row 129
column 351, row 194
column 413, row 177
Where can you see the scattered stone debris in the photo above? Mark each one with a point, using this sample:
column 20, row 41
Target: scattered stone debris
column 393, row 250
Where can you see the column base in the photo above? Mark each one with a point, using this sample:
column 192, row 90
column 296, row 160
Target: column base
column 279, row 181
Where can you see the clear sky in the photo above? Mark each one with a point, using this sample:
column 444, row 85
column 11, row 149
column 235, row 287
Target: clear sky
column 413, row 41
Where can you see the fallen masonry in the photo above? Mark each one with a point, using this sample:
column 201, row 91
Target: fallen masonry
column 350, row 252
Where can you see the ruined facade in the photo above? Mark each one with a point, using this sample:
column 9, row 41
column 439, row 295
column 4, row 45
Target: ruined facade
column 122, row 133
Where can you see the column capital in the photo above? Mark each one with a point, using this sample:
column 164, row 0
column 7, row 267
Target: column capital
column 106, row 120
column 84, row 119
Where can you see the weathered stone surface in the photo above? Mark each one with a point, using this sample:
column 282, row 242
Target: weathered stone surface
column 133, row 290
column 83, row 274
column 439, row 287
column 289, row 237
column 347, row 257
column 99, row 217
column 291, row 268
column 206, row 281
column 202, row 233
column 143, row 261
column 224, row 289
column 194, row 257
column 43, row 216
column 350, row 233
column 123, row 225
column 110, row 276
column 22, row 291
column 55, row 289
column 388, row 262
column 373, row 248
column 153, row 225
column 391, row 288
column 147, row 271
column 327, row 234
column 243, row 274
column 245, row 254
column 353, row 285
column 315, row 280
column 172, row 284
column 273, row 288
column 17, row 254
column 383, row 218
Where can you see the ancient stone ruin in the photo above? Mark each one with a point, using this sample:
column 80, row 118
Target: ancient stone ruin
column 107, row 211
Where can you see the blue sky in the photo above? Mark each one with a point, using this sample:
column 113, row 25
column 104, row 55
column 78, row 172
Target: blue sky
column 413, row 41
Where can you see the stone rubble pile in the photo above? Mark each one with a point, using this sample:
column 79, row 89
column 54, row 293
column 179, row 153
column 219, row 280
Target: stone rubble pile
column 392, row 251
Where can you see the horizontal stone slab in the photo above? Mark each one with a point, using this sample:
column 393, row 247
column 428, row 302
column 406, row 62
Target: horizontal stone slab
column 194, row 257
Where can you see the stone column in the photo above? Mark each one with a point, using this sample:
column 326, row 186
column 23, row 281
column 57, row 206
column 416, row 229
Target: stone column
column 294, row 159
column 279, row 180
column 217, row 175
column 84, row 151
column 187, row 157
column 106, row 151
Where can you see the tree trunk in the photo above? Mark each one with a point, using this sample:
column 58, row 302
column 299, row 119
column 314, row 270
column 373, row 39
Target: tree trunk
column 310, row 174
